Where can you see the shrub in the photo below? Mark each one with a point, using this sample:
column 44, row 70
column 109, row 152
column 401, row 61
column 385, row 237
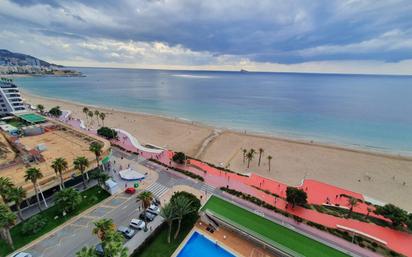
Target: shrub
column 179, row 157
column 68, row 199
column 185, row 172
column 397, row 215
column 33, row 225
column 107, row 133
column 55, row 111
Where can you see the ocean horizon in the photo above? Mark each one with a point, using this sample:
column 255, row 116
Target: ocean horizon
column 370, row 112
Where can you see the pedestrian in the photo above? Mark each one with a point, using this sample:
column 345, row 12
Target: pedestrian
column 125, row 185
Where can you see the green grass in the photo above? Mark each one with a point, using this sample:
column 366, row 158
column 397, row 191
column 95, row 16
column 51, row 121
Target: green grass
column 270, row 230
column 91, row 197
column 16, row 123
column 158, row 246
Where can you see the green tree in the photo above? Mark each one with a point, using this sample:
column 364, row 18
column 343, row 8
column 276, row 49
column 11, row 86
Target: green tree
column 86, row 112
column 249, row 156
column 81, row 163
column 97, row 114
column 103, row 228
column 102, row 117
column 5, row 186
column 40, row 107
column 352, row 202
column 7, row 220
column 182, row 206
column 146, row 197
column 101, row 178
column 33, row 175
column 296, row 196
column 87, row 252
column 55, row 111
column 260, row 155
column 17, row 195
column 168, row 212
column 107, row 133
column 269, row 160
column 113, row 245
column 96, row 148
column 244, row 155
column 397, row 215
column 179, row 158
column 59, row 165
column 68, row 199
column 90, row 115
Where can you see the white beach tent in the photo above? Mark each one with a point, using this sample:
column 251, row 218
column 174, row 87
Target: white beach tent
column 112, row 187
column 130, row 174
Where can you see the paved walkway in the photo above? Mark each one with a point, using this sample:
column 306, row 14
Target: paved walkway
column 318, row 193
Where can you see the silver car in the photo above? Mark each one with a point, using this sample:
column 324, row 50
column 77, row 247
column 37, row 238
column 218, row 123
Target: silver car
column 126, row 232
column 22, row 254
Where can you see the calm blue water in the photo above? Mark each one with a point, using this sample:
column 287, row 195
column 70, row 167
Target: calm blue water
column 200, row 246
column 360, row 111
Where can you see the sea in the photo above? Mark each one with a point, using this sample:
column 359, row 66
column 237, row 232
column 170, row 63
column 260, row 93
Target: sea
column 371, row 112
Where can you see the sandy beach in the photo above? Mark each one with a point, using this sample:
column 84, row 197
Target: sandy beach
column 383, row 177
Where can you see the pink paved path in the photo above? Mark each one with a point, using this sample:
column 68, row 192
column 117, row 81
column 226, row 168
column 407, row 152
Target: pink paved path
column 317, row 193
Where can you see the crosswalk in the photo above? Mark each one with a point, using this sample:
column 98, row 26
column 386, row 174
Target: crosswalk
column 207, row 188
column 157, row 189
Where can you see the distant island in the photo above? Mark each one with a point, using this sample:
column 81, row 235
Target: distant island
column 242, row 70
column 23, row 64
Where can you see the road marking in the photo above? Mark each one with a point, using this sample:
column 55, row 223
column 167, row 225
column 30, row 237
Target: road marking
column 124, row 207
column 207, row 188
column 157, row 190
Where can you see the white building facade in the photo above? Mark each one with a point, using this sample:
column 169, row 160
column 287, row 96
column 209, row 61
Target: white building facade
column 10, row 98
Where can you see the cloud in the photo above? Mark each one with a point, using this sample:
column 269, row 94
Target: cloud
column 191, row 33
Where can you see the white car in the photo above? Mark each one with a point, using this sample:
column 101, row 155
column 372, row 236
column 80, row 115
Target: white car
column 137, row 224
column 22, row 254
column 153, row 209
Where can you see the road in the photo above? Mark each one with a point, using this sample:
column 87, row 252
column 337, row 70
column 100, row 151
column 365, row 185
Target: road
column 66, row 241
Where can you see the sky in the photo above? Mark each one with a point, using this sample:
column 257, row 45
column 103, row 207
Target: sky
column 331, row 36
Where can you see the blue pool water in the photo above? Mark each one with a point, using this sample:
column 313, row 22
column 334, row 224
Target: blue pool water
column 199, row 246
column 372, row 112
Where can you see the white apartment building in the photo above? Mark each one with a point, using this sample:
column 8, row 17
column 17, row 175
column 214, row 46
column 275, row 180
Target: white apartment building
column 10, row 98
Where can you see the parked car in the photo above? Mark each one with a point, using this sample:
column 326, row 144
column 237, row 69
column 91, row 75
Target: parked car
column 137, row 224
column 147, row 216
column 130, row 190
column 22, row 254
column 153, row 209
column 126, row 232
column 99, row 249
column 156, row 202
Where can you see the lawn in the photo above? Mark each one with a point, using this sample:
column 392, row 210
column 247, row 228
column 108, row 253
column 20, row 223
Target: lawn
column 270, row 230
column 158, row 246
column 91, row 197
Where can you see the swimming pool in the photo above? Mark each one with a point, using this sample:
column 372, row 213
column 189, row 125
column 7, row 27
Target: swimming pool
column 199, row 246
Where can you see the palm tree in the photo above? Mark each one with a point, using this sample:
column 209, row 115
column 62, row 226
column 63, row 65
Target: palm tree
column 86, row 112
column 352, row 202
column 113, row 245
column 249, row 156
column 260, row 154
column 90, row 114
column 244, row 155
column 269, row 159
column 146, row 197
column 5, row 186
column 96, row 148
column 97, row 114
column 87, row 252
column 40, row 107
column 59, row 165
column 17, row 195
column 101, row 178
column 168, row 213
column 182, row 206
column 103, row 228
column 102, row 117
column 34, row 174
column 81, row 163
column 7, row 220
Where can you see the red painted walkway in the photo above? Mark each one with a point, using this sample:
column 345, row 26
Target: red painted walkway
column 318, row 193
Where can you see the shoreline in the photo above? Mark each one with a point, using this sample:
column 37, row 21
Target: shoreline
column 263, row 135
column 386, row 178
